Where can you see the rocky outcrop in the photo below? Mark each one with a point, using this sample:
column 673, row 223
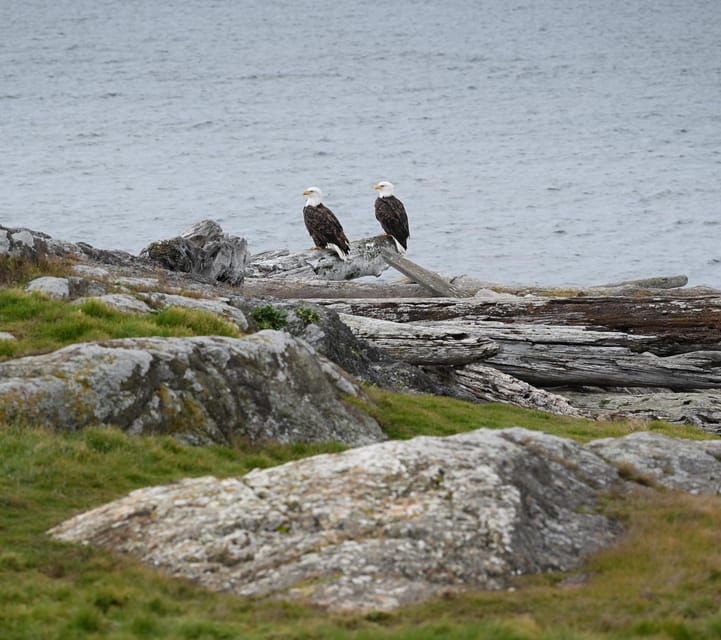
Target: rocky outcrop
column 685, row 465
column 375, row 527
column 35, row 245
column 324, row 330
column 701, row 408
column 69, row 288
column 267, row 386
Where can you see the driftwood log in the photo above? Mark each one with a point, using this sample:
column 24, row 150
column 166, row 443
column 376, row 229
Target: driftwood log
column 487, row 384
column 203, row 250
column 426, row 344
column 671, row 324
column 544, row 355
column 365, row 259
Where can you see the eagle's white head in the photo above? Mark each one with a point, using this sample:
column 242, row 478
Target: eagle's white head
column 384, row 189
column 315, row 195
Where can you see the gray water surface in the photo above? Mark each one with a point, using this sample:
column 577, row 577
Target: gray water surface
column 546, row 141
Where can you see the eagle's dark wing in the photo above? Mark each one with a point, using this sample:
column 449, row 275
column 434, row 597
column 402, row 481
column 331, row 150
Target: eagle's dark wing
column 391, row 213
column 324, row 227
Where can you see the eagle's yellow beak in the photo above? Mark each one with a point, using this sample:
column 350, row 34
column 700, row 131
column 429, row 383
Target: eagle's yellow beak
column 306, row 192
column 377, row 187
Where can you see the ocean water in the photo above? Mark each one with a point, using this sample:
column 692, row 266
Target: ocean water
column 532, row 141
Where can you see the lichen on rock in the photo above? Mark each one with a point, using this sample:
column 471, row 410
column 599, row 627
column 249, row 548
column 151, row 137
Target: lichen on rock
column 267, row 386
column 375, row 527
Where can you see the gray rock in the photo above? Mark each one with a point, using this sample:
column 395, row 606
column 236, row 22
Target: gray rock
column 687, row 465
column 23, row 238
column 88, row 271
column 268, row 386
column 375, row 527
column 334, row 340
column 133, row 282
column 700, row 408
column 4, row 242
column 34, row 245
column 4, row 335
column 66, row 288
column 51, row 286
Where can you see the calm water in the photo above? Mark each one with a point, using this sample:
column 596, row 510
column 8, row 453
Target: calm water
column 533, row 141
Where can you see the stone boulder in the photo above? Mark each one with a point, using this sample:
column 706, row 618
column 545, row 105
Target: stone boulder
column 35, row 245
column 375, row 527
column 701, row 408
column 267, row 386
column 65, row 288
column 685, row 465
column 323, row 329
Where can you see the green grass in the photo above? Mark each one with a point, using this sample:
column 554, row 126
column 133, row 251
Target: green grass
column 41, row 324
column 661, row 581
column 409, row 415
column 16, row 270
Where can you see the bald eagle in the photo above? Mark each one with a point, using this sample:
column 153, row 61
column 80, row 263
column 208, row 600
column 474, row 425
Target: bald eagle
column 322, row 225
column 391, row 213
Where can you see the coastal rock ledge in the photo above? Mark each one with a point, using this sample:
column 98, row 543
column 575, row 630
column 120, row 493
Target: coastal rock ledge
column 265, row 386
column 375, row 527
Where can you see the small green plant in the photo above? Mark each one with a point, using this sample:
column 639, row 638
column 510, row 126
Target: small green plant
column 307, row 316
column 269, row 317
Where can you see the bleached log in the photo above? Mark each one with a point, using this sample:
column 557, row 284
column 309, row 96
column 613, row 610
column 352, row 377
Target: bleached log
column 487, row 384
column 676, row 323
column 547, row 356
column 657, row 282
column 203, row 250
column 560, row 364
column 365, row 259
column 428, row 279
column 423, row 344
column 294, row 289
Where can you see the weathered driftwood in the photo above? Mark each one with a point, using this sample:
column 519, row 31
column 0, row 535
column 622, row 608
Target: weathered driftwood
column 657, row 282
column 203, row 250
column 423, row 344
column 487, row 384
column 365, row 259
column 556, row 363
column 294, row 289
column 428, row 279
column 547, row 356
column 677, row 324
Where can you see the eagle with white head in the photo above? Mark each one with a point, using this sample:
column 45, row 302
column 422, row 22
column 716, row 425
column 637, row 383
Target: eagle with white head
column 322, row 225
column 391, row 213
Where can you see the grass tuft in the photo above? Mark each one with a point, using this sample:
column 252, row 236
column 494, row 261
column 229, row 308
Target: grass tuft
column 405, row 416
column 41, row 324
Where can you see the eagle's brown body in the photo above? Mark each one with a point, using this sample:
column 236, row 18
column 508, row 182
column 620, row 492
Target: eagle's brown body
column 324, row 227
column 391, row 213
